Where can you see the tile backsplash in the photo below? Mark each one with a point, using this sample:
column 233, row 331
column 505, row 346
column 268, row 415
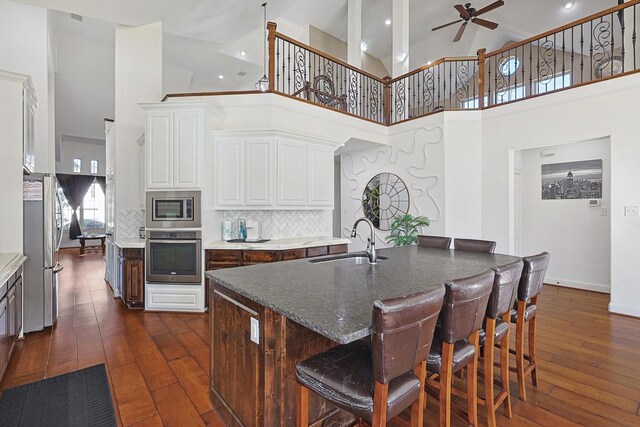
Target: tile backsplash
column 128, row 221
column 287, row 224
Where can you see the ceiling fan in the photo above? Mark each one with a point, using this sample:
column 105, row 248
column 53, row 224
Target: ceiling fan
column 468, row 13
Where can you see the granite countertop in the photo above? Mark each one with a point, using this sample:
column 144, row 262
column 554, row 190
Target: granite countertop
column 130, row 242
column 9, row 263
column 279, row 244
column 335, row 299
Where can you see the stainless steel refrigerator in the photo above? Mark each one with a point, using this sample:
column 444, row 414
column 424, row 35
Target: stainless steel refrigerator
column 43, row 228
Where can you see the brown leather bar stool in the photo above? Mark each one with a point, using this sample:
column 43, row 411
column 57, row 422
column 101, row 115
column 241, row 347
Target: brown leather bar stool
column 455, row 345
column 535, row 267
column 438, row 242
column 496, row 330
column 473, row 245
column 384, row 378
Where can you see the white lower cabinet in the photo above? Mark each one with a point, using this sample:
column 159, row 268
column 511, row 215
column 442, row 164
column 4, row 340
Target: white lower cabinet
column 174, row 297
column 272, row 172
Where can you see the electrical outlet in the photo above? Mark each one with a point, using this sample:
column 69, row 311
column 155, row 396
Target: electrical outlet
column 255, row 330
column 631, row 210
column 603, row 212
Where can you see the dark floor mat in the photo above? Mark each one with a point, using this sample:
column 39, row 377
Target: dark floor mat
column 79, row 398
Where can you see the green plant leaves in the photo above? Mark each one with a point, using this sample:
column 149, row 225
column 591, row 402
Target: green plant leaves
column 404, row 230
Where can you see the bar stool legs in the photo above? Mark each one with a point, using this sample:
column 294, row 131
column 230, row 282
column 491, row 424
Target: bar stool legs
column 521, row 357
column 491, row 401
column 446, row 377
column 472, row 382
column 417, row 411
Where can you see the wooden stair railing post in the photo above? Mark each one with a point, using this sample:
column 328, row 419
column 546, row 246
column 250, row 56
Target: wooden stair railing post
column 481, row 62
column 271, row 26
column 387, row 100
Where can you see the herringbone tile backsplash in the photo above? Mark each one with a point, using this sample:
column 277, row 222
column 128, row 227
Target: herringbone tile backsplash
column 128, row 221
column 287, row 224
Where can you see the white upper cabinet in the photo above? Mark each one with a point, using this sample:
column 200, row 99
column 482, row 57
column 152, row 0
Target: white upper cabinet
column 159, row 151
column 230, row 172
column 320, row 182
column 267, row 172
column 173, row 144
column 186, row 149
column 259, row 179
column 292, row 173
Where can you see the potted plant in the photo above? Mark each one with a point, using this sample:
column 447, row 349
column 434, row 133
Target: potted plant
column 404, row 230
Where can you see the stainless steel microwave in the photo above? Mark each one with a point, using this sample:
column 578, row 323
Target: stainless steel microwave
column 173, row 209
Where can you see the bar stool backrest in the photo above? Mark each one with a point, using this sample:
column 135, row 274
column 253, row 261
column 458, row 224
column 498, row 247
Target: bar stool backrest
column 505, row 289
column 474, row 245
column 535, row 268
column 465, row 304
column 438, row 242
column 402, row 332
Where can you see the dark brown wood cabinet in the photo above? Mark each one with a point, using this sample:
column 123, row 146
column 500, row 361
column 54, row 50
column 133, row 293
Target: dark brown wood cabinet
column 216, row 259
column 10, row 317
column 131, row 276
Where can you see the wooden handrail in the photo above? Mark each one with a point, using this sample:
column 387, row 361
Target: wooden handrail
column 329, row 57
column 434, row 64
column 564, row 27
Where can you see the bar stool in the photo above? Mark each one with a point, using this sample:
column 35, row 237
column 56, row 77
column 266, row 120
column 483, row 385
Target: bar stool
column 535, row 268
column 438, row 242
column 496, row 329
column 473, row 245
column 455, row 345
column 379, row 381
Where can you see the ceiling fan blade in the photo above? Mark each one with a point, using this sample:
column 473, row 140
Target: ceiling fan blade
column 488, row 24
column 490, row 7
column 460, row 32
column 446, row 25
column 463, row 12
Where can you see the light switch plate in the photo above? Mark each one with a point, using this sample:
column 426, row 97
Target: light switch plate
column 255, row 330
column 631, row 210
column 603, row 211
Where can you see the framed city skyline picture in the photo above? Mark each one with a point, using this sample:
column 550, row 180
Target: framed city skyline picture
column 572, row 180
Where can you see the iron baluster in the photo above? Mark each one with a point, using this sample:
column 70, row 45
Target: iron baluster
column 591, row 54
column 622, row 28
column 554, row 62
column 581, row 54
column 612, row 43
column 633, row 38
column 289, row 68
column 572, row 55
column 530, row 68
column 277, row 64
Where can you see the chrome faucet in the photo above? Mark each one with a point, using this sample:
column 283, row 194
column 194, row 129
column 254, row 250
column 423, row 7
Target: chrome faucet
column 371, row 241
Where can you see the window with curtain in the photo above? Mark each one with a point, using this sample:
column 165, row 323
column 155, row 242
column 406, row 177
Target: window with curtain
column 91, row 214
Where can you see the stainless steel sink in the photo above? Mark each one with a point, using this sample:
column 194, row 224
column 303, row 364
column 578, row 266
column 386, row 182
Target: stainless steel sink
column 355, row 258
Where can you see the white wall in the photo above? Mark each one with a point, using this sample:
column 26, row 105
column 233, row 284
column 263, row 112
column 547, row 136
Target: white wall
column 606, row 109
column 24, row 49
column 84, row 149
column 416, row 154
column 138, row 66
column 581, row 256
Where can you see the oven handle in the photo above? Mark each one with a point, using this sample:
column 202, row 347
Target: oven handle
column 196, row 241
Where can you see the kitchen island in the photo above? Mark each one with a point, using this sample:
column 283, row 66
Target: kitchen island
column 267, row 318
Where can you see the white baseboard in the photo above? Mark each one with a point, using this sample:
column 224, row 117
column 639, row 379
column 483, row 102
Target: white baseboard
column 596, row 287
column 624, row 309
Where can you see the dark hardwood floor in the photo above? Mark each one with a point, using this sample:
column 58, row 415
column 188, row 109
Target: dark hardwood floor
column 589, row 360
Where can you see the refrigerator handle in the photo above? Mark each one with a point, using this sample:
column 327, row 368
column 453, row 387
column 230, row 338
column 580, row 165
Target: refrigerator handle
column 61, row 228
column 58, row 268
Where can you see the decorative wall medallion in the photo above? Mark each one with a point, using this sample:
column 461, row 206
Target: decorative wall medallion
column 384, row 199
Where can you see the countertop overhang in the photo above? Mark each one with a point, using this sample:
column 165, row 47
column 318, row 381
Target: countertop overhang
column 9, row 264
column 279, row 244
column 130, row 242
column 336, row 299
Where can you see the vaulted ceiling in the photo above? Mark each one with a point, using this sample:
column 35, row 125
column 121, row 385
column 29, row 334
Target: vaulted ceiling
column 204, row 38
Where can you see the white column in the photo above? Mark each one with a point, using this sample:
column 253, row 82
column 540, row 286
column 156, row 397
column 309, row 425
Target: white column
column 354, row 32
column 138, row 79
column 630, row 24
column 400, row 37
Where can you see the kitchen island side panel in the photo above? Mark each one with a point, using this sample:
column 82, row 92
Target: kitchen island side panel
column 254, row 384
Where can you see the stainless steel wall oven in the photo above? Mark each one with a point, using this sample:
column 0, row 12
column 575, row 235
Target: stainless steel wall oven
column 174, row 257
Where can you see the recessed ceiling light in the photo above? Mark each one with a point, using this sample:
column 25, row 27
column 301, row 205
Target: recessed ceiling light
column 243, row 53
column 387, row 22
column 220, row 76
column 569, row 4
column 364, row 46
